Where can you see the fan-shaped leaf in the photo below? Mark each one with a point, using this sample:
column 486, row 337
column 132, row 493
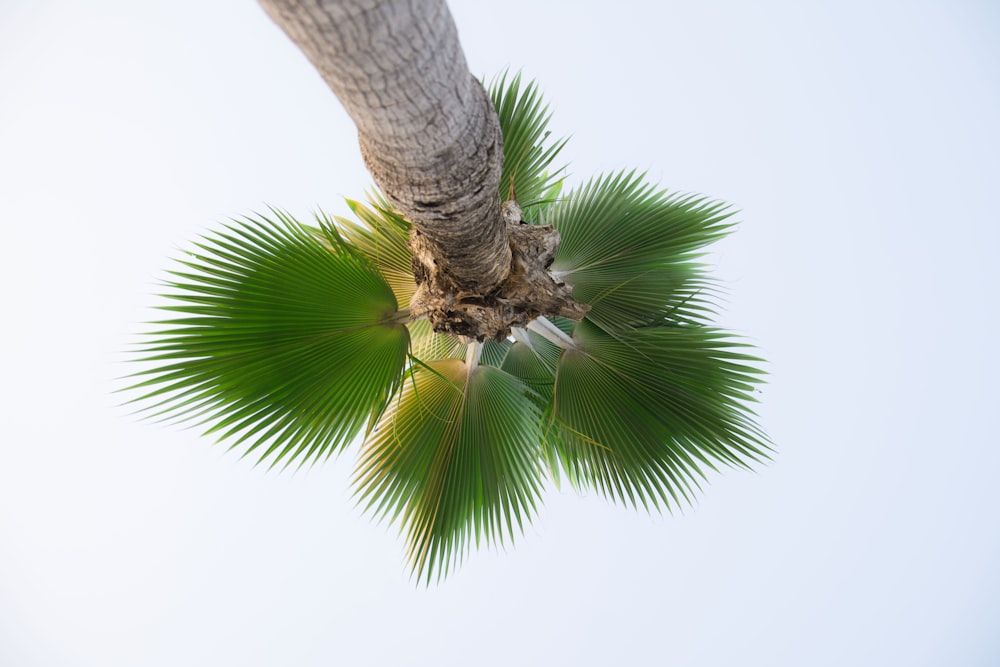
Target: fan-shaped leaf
column 284, row 341
column 456, row 458
column 628, row 250
column 645, row 410
column 527, row 153
column 426, row 344
column 532, row 359
column 381, row 235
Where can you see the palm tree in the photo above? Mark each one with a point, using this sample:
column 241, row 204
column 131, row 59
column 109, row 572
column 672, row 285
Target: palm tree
column 288, row 340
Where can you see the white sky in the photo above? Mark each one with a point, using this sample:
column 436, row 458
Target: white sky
column 859, row 139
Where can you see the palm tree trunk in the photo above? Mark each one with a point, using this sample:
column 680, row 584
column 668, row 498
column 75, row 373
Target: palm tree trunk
column 431, row 139
column 428, row 132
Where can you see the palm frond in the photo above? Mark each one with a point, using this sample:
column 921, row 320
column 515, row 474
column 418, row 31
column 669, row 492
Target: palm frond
column 456, row 459
column 645, row 411
column 532, row 359
column 630, row 250
column 284, row 342
column 527, row 152
column 381, row 235
column 427, row 344
column 493, row 352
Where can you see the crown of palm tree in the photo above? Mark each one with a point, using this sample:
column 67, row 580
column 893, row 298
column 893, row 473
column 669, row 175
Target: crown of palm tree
column 288, row 340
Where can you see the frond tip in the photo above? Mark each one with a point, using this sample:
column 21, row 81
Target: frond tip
column 285, row 342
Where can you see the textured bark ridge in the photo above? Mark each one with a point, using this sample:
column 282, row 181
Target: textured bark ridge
column 451, row 194
column 528, row 292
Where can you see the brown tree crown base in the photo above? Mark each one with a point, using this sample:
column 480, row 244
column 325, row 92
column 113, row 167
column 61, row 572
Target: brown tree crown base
column 528, row 292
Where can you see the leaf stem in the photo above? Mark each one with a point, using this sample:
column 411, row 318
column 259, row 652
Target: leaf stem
column 550, row 332
column 472, row 354
column 402, row 316
column 520, row 335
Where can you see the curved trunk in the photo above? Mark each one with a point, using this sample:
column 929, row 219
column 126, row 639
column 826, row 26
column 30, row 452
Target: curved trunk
column 431, row 138
column 428, row 131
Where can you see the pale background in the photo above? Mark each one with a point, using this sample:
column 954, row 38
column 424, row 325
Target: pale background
column 860, row 141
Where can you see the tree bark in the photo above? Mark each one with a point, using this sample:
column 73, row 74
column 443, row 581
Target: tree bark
column 428, row 131
column 431, row 138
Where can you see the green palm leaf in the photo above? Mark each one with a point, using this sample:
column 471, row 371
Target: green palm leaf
column 533, row 360
column 527, row 153
column 629, row 250
column 382, row 235
column 646, row 410
column 456, row 459
column 426, row 344
column 284, row 341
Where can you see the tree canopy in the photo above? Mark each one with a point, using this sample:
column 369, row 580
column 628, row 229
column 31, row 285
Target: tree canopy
column 288, row 340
